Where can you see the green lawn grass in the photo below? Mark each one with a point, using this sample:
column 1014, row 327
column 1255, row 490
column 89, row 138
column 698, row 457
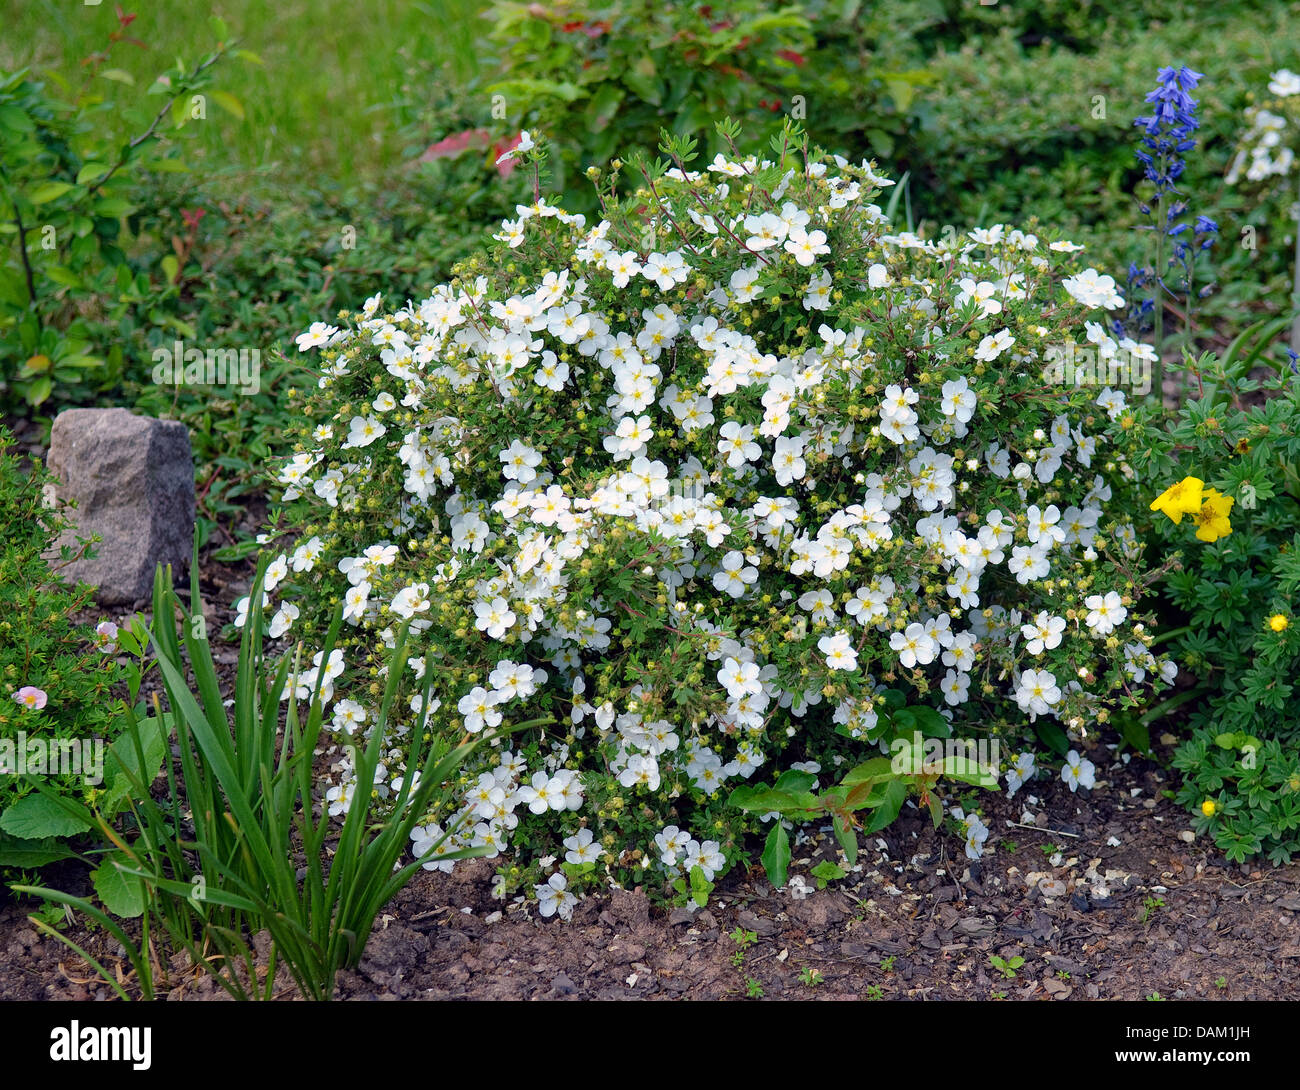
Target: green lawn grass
column 335, row 80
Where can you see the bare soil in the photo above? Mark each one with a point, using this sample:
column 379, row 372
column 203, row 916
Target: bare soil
column 1092, row 920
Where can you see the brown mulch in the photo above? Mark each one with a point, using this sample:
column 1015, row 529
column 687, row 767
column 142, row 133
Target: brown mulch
column 1154, row 914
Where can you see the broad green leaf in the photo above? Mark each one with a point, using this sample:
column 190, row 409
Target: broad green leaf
column 1052, row 736
column 90, row 173
column 794, row 779
column 603, row 106
column 37, row 394
column 121, row 894
column 122, row 759
column 776, row 854
column 48, row 191
column 17, row 852
column 113, row 207
column 119, row 75
column 878, row 768
column 37, row 816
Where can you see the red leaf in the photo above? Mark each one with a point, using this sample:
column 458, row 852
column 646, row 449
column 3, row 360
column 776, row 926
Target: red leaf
column 791, row 56
column 452, row 146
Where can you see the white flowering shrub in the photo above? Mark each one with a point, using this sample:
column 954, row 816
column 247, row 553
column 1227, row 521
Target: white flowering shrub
column 1266, row 149
column 734, row 480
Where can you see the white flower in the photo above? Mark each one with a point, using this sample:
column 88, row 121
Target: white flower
column 914, row 645
column 479, row 707
column 283, row 620
column 1092, row 289
column 525, row 144
column 807, row 246
column 582, row 848
column 1078, row 771
column 976, row 834
column 957, row 399
column 1284, row 83
column 839, row 652
column 554, row 899
column 1044, row 633
column 1020, row 773
column 411, row 600
column 738, row 444
column 735, row 576
column 990, row 348
column 317, row 335
column 363, row 431
column 739, row 678
column 1105, row 612
column 519, row 461
column 666, row 270
column 495, row 618
column 1037, row 691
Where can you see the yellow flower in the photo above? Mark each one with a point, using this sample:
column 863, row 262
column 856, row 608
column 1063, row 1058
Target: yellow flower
column 1208, row 808
column 1212, row 519
column 1183, row 498
column 1278, row 622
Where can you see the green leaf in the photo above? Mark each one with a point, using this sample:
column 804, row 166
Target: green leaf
column 887, row 811
column 48, row 191
column 1134, row 732
column 603, row 106
column 848, row 838
column 794, row 779
column 90, row 173
column 926, row 720
column 113, row 207
column 121, row 894
column 826, row 871
column 1052, row 736
column 15, row 852
column 776, row 854
column 36, row 817
column 119, row 75
column 229, row 103
column 701, row 887
column 122, row 762
column 37, row 394
column 762, row 798
column 878, row 768
column 640, row 78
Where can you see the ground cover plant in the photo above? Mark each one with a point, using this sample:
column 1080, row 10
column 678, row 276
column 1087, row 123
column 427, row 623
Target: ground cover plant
column 58, row 675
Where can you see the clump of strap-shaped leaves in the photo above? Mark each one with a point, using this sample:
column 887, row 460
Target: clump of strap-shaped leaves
column 237, row 846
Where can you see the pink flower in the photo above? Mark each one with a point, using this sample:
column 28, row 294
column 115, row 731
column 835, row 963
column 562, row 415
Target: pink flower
column 29, row 696
column 106, row 636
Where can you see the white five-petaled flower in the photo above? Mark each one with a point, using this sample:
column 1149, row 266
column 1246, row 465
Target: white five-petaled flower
column 1078, row 771
column 839, row 651
column 1105, row 612
column 554, row 899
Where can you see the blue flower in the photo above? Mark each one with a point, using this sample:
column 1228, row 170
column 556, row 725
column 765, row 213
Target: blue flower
column 1167, row 137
